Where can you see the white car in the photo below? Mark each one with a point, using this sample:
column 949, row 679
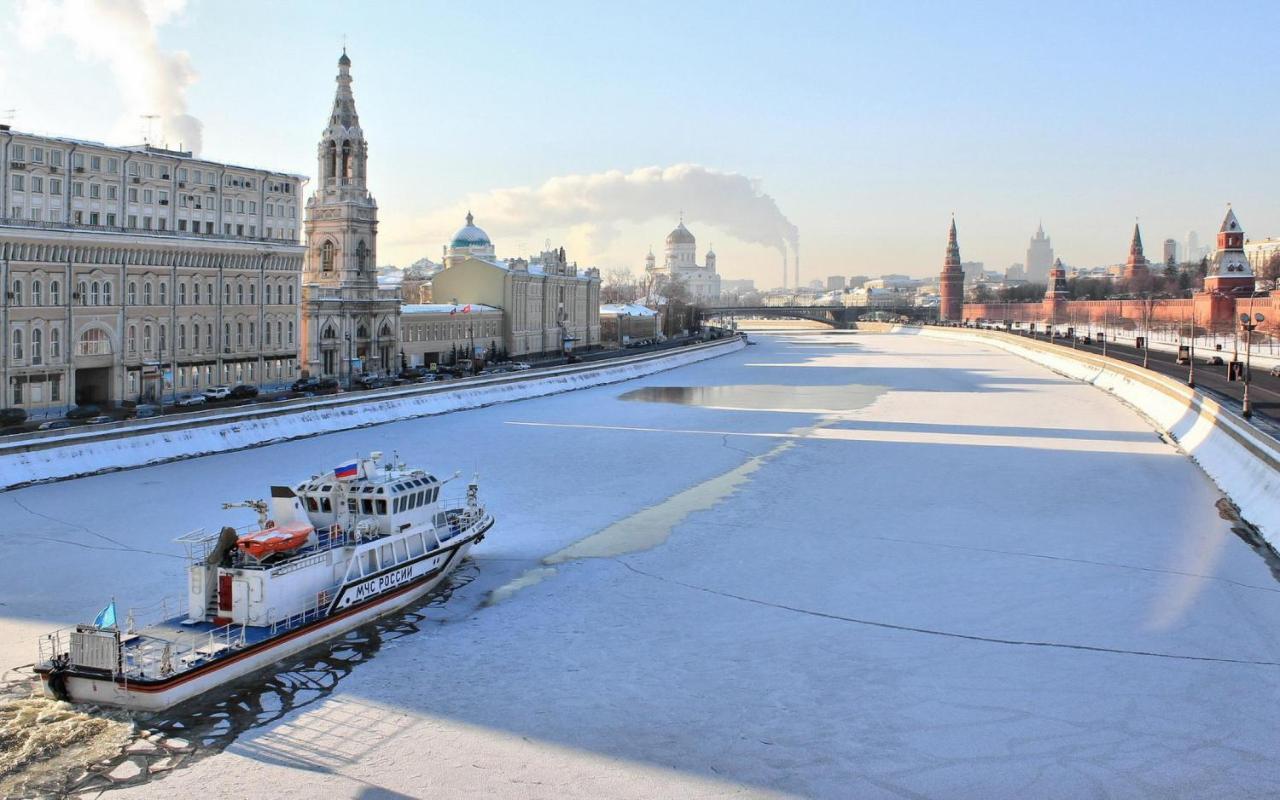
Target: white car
column 191, row 400
column 217, row 393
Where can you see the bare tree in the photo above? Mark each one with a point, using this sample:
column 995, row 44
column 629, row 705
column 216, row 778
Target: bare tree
column 619, row 286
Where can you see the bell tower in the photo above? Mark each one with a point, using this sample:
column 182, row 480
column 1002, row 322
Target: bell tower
column 349, row 325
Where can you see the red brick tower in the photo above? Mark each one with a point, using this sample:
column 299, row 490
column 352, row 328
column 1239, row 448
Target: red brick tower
column 1229, row 271
column 1137, row 270
column 1055, row 294
column 951, row 282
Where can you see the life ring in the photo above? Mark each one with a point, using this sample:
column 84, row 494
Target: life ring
column 271, row 523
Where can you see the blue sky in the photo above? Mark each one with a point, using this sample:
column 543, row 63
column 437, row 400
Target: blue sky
column 868, row 123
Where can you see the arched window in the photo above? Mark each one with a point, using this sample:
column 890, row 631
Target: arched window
column 331, row 158
column 37, row 346
column 94, row 342
column 131, row 294
column 17, row 344
column 55, row 344
column 362, row 332
column 346, row 159
column 291, row 294
column 17, row 292
column 106, row 293
column 326, row 256
column 164, row 339
column 329, row 333
column 239, row 294
column 253, row 334
column 182, row 294
column 146, row 338
column 279, row 294
column 290, row 332
column 146, row 293
column 362, row 255
column 226, row 294
column 226, row 337
column 55, row 293
column 253, row 294
column 278, row 337
column 182, row 337
column 164, row 293
column 209, row 292
column 385, row 332
column 195, row 293
column 83, row 289
column 266, row 333
column 132, row 343
column 95, row 294
column 37, row 293
column 208, row 337
column 239, row 335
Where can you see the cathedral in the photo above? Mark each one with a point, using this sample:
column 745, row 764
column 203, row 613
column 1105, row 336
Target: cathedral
column 680, row 263
column 349, row 325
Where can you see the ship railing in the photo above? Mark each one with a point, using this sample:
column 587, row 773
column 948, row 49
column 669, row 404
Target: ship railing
column 158, row 656
column 311, row 610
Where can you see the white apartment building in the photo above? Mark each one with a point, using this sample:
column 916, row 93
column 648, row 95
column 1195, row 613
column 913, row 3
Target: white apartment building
column 139, row 273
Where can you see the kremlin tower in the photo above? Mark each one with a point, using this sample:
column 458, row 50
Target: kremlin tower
column 1137, row 270
column 951, row 282
column 1056, row 293
column 1229, row 270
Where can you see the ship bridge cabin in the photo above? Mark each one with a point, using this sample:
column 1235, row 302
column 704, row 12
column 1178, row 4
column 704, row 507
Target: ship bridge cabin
column 379, row 501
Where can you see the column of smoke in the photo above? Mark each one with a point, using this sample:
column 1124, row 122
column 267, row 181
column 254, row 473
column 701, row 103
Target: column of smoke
column 796, row 258
column 593, row 205
column 784, row 269
column 122, row 35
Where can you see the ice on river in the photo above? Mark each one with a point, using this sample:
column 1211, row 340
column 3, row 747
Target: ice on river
column 974, row 579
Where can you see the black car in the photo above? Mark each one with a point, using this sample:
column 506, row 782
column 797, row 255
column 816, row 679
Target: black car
column 305, row 385
column 84, row 412
column 325, row 386
column 12, row 416
column 244, row 391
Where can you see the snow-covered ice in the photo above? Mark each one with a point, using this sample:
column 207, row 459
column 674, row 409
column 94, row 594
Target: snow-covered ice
column 987, row 581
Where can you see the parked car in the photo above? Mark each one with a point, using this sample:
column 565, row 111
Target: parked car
column 1275, row 371
column 12, row 416
column 191, row 400
column 304, row 385
column 99, row 420
column 1215, row 361
column 244, row 391
column 520, row 366
column 54, row 425
column 145, row 411
column 217, row 393
column 84, row 411
column 327, row 386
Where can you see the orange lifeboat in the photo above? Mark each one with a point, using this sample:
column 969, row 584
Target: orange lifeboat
column 274, row 539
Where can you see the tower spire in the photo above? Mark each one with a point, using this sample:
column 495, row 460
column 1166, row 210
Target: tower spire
column 951, row 282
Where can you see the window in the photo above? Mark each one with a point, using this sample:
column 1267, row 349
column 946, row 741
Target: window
column 17, row 344
column 239, row 294
column 55, row 347
column 113, row 165
column 253, row 294
column 163, row 338
column 209, row 288
column 77, row 188
column 279, row 339
column 55, row 186
column 95, row 191
column 266, row 338
column 17, row 292
column 146, row 195
column 182, row 337
column 253, row 334
column 55, row 293
column 146, row 293
column 239, row 335
column 132, row 340
column 326, row 254
column 208, row 336
column 195, row 293
column 362, row 255
column 279, row 295
column 55, row 158
column 37, row 155
column 226, row 294
column 37, row 346
column 131, row 294
column 146, row 338
column 226, row 337
column 19, row 152
column 94, row 342
column 19, row 184
column 291, row 294
column 164, row 293
column 37, row 184
column 182, row 294
column 113, row 191
column 95, row 294
column 290, row 331
column 106, row 293
column 133, row 195
column 37, row 293
column 95, row 163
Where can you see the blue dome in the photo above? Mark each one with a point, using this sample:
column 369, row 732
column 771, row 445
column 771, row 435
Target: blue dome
column 470, row 236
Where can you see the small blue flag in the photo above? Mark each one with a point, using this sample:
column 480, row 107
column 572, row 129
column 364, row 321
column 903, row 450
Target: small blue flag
column 106, row 617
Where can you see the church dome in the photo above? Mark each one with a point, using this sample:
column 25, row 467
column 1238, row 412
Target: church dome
column 344, row 61
column 470, row 236
column 680, row 235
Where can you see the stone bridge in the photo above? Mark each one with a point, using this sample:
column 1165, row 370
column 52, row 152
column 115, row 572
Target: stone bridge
column 835, row 316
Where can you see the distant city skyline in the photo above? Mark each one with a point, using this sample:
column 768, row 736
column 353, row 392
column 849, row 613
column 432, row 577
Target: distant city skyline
column 595, row 128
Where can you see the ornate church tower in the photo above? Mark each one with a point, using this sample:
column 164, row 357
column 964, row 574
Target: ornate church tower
column 951, row 282
column 1137, row 270
column 349, row 325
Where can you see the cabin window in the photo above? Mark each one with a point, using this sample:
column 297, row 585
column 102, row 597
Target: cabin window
column 381, row 506
column 353, row 505
column 370, row 561
column 311, row 504
column 435, row 494
column 366, row 506
column 397, row 505
column 354, row 572
column 415, row 546
column 386, row 555
column 325, row 505
column 402, row 554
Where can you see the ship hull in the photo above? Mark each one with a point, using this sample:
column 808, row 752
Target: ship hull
column 159, row 695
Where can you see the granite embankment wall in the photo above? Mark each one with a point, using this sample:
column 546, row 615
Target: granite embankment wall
column 52, row 455
column 1241, row 460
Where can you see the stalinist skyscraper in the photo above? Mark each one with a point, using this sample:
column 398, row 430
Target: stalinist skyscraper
column 349, row 325
column 1039, row 256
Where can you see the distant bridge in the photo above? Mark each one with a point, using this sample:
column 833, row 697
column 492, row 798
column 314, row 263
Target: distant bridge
column 835, row 316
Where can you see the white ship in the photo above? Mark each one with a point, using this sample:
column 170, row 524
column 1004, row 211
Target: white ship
column 326, row 556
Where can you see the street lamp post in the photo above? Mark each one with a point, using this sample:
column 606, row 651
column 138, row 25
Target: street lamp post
column 347, row 336
column 1191, row 358
column 1248, row 323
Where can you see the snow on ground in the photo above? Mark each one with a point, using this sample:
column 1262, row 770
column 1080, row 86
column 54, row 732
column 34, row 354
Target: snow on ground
column 981, row 579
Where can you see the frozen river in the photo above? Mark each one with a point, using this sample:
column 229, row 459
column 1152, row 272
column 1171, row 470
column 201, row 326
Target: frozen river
column 834, row 564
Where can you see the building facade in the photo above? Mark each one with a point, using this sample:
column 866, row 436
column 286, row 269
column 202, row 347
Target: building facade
column 438, row 333
column 1039, row 256
column 135, row 274
column 350, row 324
column 1229, row 269
column 680, row 264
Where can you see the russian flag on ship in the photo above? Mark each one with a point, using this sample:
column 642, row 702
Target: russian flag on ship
column 346, row 470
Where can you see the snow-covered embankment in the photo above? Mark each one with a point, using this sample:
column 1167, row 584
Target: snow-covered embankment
column 1244, row 462
column 78, row 452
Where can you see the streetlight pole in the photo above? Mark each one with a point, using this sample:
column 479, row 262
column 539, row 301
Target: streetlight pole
column 1191, row 360
column 1248, row 322
column 347, row 336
